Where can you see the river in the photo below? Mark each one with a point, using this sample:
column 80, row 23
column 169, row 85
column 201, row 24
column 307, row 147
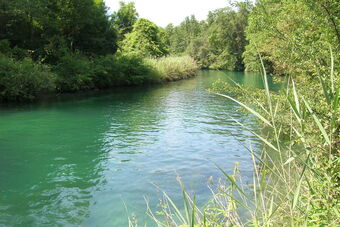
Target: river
column 90, row 160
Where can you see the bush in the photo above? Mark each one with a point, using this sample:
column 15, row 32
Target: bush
column 119, row 69
column 105, row 72
column 74, row 73
column 135, row 69
column 16, row 53
column 23, row 80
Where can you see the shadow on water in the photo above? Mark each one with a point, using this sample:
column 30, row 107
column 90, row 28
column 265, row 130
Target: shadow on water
column 77, row 159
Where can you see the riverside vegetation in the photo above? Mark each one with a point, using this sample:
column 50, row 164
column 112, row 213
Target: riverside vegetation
column 49, row 47
column 295, row 177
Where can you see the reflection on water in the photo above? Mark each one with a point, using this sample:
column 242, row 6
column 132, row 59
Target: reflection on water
column 78, row 161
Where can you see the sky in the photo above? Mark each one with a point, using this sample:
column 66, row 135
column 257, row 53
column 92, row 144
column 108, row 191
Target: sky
column 163, row 12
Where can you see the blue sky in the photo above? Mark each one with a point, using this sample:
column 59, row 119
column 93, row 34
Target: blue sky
column 163, row 12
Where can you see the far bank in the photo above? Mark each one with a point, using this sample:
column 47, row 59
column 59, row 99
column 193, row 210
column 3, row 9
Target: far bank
column 24, row 80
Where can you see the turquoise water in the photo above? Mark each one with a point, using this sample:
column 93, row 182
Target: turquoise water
column 78, row 159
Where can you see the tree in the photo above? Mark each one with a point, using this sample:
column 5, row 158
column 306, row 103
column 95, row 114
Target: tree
column 48, row 28
column 199, row 49
column 216, row 43
column 145, row 40
column 226, row 34
column 18, row 23
column 181, row 36
column 83, row 24
column 124, row 19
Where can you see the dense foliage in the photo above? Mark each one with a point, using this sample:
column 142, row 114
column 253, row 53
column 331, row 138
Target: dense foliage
column 47, row 27
column 145, row 40
column 124, row 19
column 294, row 37
column 23, row 79
column 67, row 46
column 216, row 43
column 38, row 36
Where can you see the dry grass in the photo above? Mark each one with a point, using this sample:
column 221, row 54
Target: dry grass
column 174, row 68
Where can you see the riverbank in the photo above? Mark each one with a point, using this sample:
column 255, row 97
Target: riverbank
column 295, row 174
column 25, row 80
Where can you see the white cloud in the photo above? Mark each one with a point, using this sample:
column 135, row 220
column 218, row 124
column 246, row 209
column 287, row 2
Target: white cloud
column 163, row 12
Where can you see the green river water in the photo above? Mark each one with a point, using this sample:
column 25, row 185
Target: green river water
column 76, row 160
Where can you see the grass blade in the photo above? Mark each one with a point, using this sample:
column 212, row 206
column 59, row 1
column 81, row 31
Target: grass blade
column 247, row 108
column 233, row 182
column 317, row 121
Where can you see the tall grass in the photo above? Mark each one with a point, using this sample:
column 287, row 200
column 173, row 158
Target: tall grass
column 298, row 188
column 173, row 68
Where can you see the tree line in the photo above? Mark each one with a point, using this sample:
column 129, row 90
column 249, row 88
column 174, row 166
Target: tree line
column 292, row 37
column 215, row 43
column 70, row 45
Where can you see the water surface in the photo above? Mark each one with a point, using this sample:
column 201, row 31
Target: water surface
column 78, row 160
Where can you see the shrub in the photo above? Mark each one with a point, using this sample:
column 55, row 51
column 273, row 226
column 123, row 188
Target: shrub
column 74, row 73
column 23, row 80
column 106, row 73
column 135, row 69
column 121, row 69
column 16, row 53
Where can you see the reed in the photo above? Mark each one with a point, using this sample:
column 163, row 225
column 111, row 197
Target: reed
column 300, row 187
column 173, row 68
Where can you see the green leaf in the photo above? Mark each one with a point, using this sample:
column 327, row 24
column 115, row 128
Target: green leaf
column 325, row 90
